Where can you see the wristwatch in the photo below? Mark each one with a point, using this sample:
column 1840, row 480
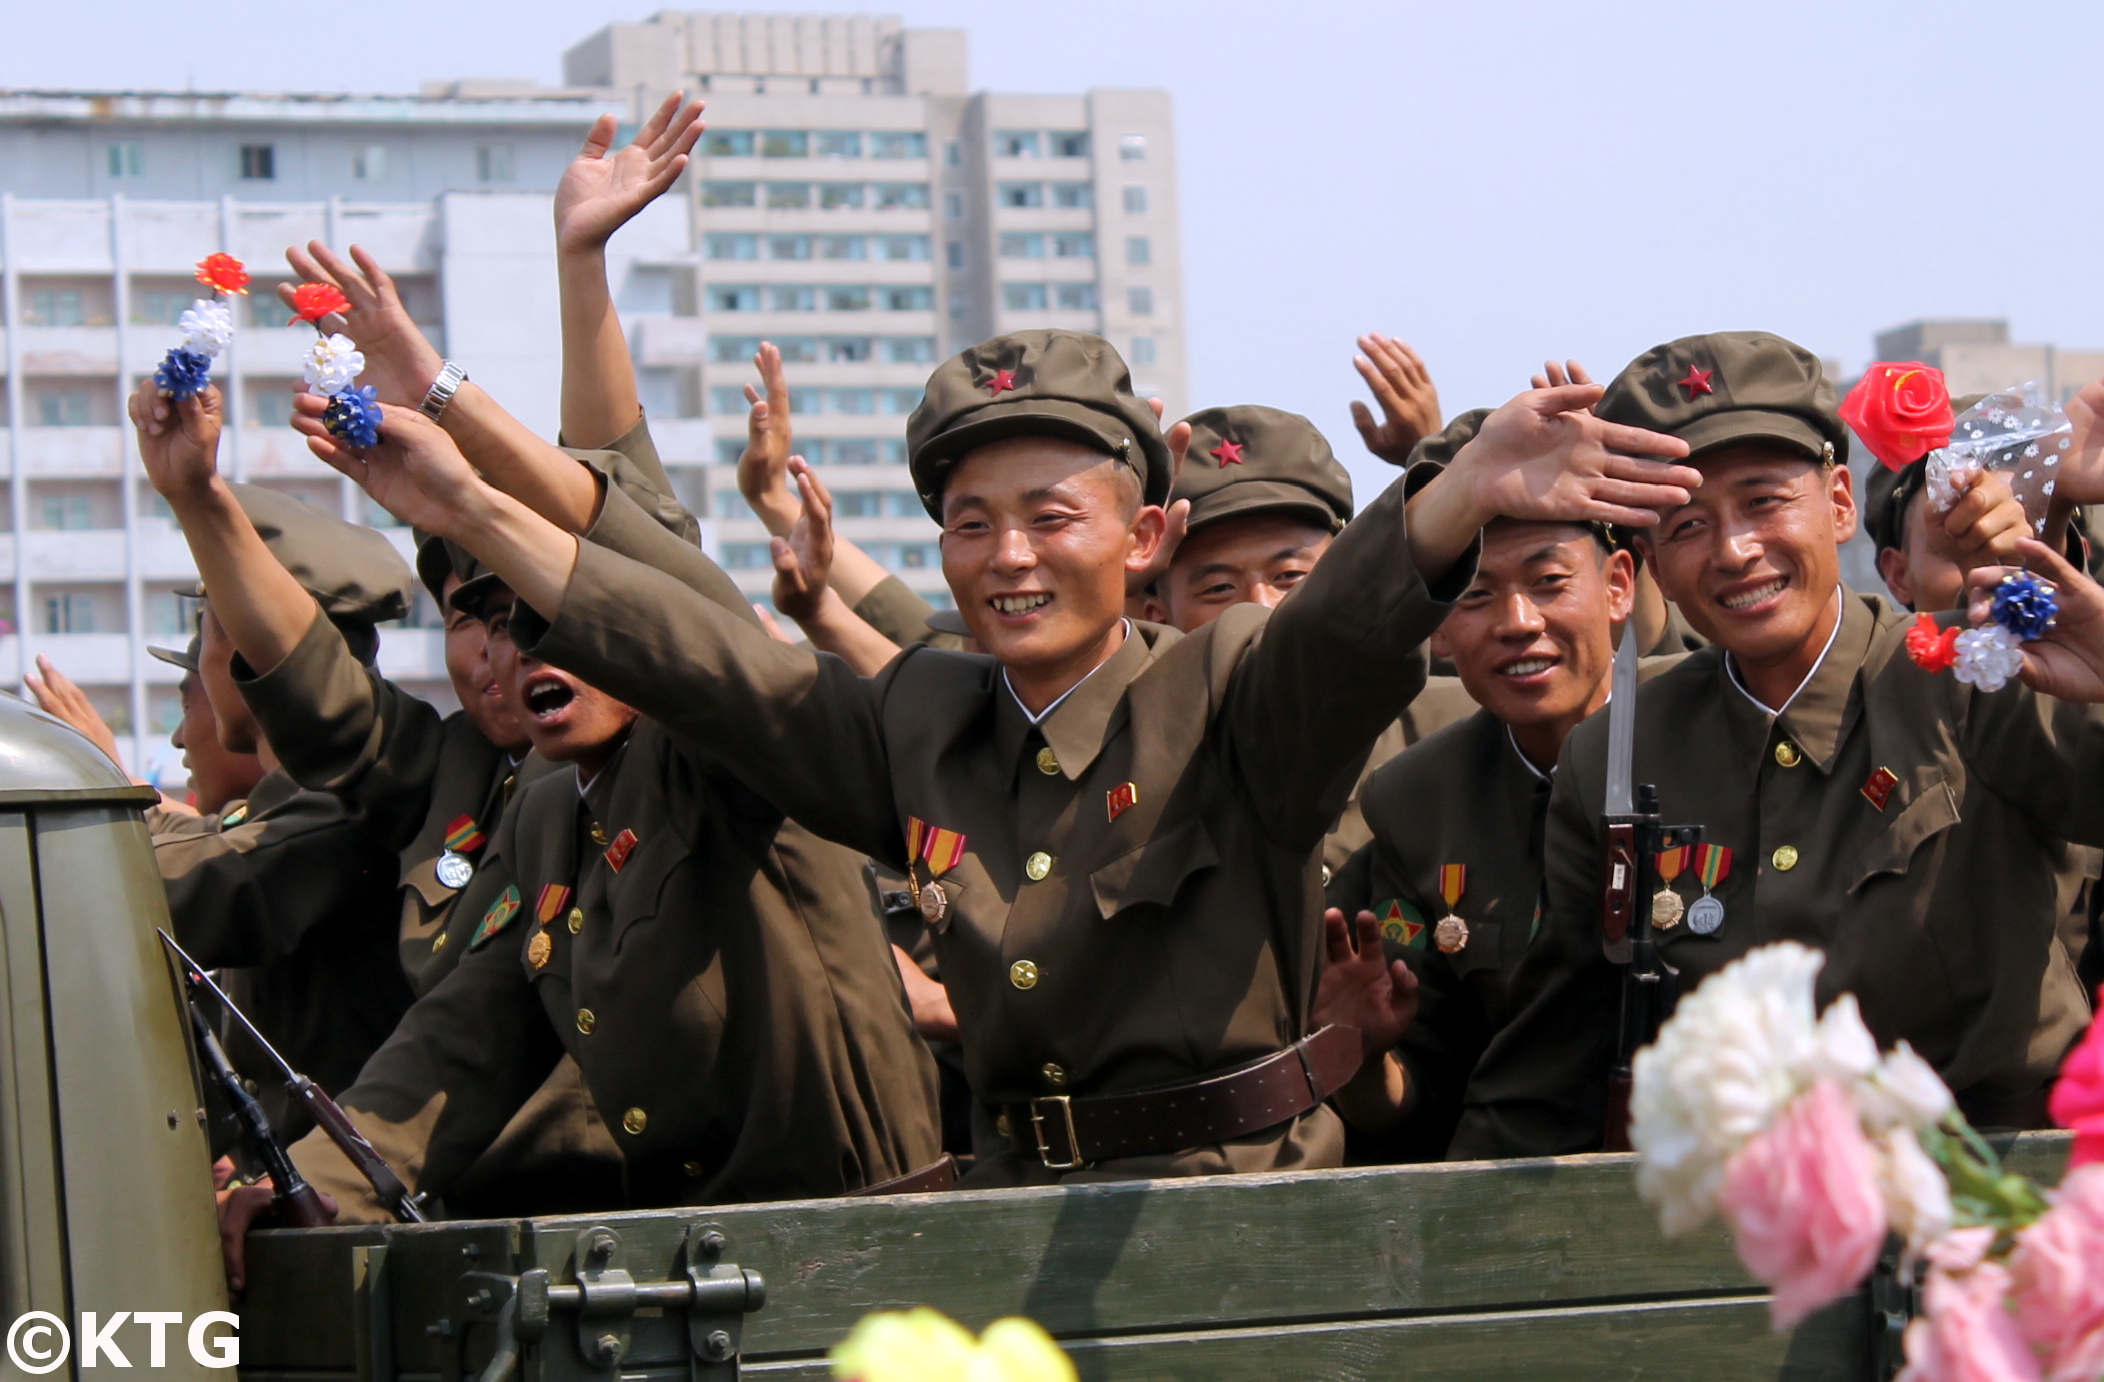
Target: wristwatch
column 450, row 378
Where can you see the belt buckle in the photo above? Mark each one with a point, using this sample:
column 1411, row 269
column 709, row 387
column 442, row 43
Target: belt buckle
column 1037, row 1128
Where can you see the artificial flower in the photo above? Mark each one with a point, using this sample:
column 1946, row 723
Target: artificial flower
column 1965, row 1332
column 183, row 373
column 207, row 327
column 222, row 273
column 2024, row 605
column 923, row 1345
column 1905, row 1091
column 2078, row 1097
column 1016, row 1350
column 1917, row 1197
column 1987, row 657
column 1804, row 1205
column 313, row 301
column 332, row 362
column 2057, row 1280
column 353, row 417
column 1901, row 411
column 1933, row 649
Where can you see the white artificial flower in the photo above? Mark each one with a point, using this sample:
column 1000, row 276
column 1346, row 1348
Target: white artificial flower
column 207, row 327
column 1842, row 1047
column 332, row 363
column 1917, row 1198
column 1905, row 1090
column 1988, row 657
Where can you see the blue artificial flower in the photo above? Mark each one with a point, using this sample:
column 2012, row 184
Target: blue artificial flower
column 353, row 416
column 184, row 373
column 2024, row 605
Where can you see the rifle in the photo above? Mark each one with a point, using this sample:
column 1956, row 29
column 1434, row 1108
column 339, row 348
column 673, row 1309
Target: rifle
column 326, row 1113
column 293, row 1200
column 1629, row 877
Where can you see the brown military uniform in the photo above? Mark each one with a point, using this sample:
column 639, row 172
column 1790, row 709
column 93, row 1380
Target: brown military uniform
column 1129, row 886
column 1897, row 819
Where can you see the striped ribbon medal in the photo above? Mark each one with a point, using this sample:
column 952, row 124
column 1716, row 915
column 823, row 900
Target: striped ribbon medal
column 1666, row 907
column 1712, row 866
column 1451, row 934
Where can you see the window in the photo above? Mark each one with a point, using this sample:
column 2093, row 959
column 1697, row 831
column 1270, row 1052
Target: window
column 1015, row 143
column 1138, row 250
column 788, row 196
column 848, row 350
column 1070, row 143
column 1023, row 297
column 837, row 144
column 729, row 449
column 901, row 400
column 1022, row 245
column 259, row 162
column 797, row 349
column 909, row 299
column 1073, row 194
column 69, row 614
column 953, row 153
column 62, row 408
column 1132, row 147
column 847, row 298
column 493, row 163
column 747, row 556
column 727, row 143
column 901, row 144
column 842, row 247
column 1022, row 194
column 902, row 196
column 733, row 350
column 727, row 400
column 914, row 556
column 953, row 254
column 1077, row 297
column 733, row 246
column 903, row 247
column 270, row 401
column 1075, row 244
column 127, row 159
column 1135, row 201
column 788, row 247
column 669, row 390
column 852, row 401
column 67, row 513
column 839, row 196
column 960, row 308
column 953, row 205
column 1140, row 301
column 160, row 306
column 728, row 194
column 741, row 299
column 785, row 299
column 165, row 614
column 369, row 164
column 858, row 503
column 57, row 307
column 1143, row 350
column 785, row 144
column 910, row 350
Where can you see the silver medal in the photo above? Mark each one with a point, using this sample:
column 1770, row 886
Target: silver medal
column 1706, row 916
column 454, row 870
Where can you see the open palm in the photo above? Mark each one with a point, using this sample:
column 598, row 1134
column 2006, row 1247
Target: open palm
column 601, row 191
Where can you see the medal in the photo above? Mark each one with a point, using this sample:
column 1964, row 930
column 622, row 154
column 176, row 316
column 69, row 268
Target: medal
column 1451, row 934
column 1712, row 866
column 454, row 870
column 539, row 949
column 941, row 850
column 554, row 897
column 1666, row 906
column 934, row 904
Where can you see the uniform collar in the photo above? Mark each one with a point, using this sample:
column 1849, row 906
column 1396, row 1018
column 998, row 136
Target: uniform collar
column 271, row 791
column 1820, row 712
column 1526, row 763
column 1076, row 725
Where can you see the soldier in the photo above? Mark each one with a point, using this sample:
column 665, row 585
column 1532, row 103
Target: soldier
column 1124, row 891
column 1893, row 817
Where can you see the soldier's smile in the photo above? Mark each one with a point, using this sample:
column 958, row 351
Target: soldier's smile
column 548, row 695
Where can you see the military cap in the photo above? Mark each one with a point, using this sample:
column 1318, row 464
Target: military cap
column 1034, row 383
column 477, row 585
column 352, row 571
column 1887, row 492
column 434, row 562
column 1729, row 388
column 185, row 657
column 1250, row 459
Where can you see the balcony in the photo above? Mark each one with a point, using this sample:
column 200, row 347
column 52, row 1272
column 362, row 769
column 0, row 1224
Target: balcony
column 69, row 350
column 92, row 659
column 92, row 554
column 70, row 451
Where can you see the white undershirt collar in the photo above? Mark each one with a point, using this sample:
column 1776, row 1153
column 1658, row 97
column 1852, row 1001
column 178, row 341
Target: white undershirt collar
column 1041, row 715
column 1731, row 667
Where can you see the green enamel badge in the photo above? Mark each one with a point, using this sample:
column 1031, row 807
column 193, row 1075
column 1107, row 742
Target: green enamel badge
column 496, row 918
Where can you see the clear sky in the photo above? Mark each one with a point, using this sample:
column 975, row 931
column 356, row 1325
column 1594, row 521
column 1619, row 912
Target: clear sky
column 1493, row 180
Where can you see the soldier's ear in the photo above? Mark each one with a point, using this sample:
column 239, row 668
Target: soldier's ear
column 1892, row 565
column 1619, row 570
column 1841, row 492
column 1149, row 526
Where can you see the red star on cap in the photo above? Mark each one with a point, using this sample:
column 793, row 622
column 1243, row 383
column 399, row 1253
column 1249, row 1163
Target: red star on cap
column 1002, row 382
column 1228, row 453
column 1697, row 382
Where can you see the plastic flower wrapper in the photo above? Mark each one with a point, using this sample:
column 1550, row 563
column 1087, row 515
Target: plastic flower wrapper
column 2019, row 431
column 923, row 1345
column 353, row 417
column 332, row 362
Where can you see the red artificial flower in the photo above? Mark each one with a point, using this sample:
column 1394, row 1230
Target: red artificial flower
column 2078, row 1097
column 1933, row 649
column 222, row 273
column 313, row 301
column 1901, row 411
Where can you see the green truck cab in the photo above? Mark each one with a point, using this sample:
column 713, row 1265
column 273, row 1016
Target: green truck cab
column 1459, row 1271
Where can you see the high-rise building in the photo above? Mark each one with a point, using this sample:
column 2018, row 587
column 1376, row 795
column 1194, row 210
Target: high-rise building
column 857, row 205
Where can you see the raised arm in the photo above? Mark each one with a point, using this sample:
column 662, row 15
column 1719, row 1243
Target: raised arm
column 801, row 563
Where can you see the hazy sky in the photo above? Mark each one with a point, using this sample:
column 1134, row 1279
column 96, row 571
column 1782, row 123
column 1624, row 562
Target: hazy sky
column 1491, row 181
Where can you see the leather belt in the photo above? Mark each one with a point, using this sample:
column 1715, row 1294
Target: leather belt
column 1066, row 1133
column 929, row 1179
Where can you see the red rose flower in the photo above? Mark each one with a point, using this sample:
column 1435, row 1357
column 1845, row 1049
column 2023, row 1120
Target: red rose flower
column 1902, row 412
column 222, row 273
column 313, row 301
column 2078, row 1097
column 1933, row 649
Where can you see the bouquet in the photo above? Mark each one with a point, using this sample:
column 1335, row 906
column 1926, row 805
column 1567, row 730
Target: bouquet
column 208, row 329
column 333, row 362
column 1813, row 1146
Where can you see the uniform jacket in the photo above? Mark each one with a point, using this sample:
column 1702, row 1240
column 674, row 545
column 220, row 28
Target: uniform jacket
column 1934, row 894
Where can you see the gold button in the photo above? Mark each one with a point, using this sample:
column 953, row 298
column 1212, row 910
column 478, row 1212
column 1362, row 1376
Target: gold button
column 1055, row 1074
column 692, row 1169
column 1037, row 866
column 1023, row 974
column 1786, row 753
column 1048, row 762
column 598, row 833
column 1325, row 875
column 1785, row 857
column 439, row 943
column 576, row 920
column 635, row 1120
column 585, row 1021
column 1003, row 1126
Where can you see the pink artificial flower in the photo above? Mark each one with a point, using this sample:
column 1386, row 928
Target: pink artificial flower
column 1802, row 1199
column 2078, row 1097
column 2057, row 1271
column 1965, row 1332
